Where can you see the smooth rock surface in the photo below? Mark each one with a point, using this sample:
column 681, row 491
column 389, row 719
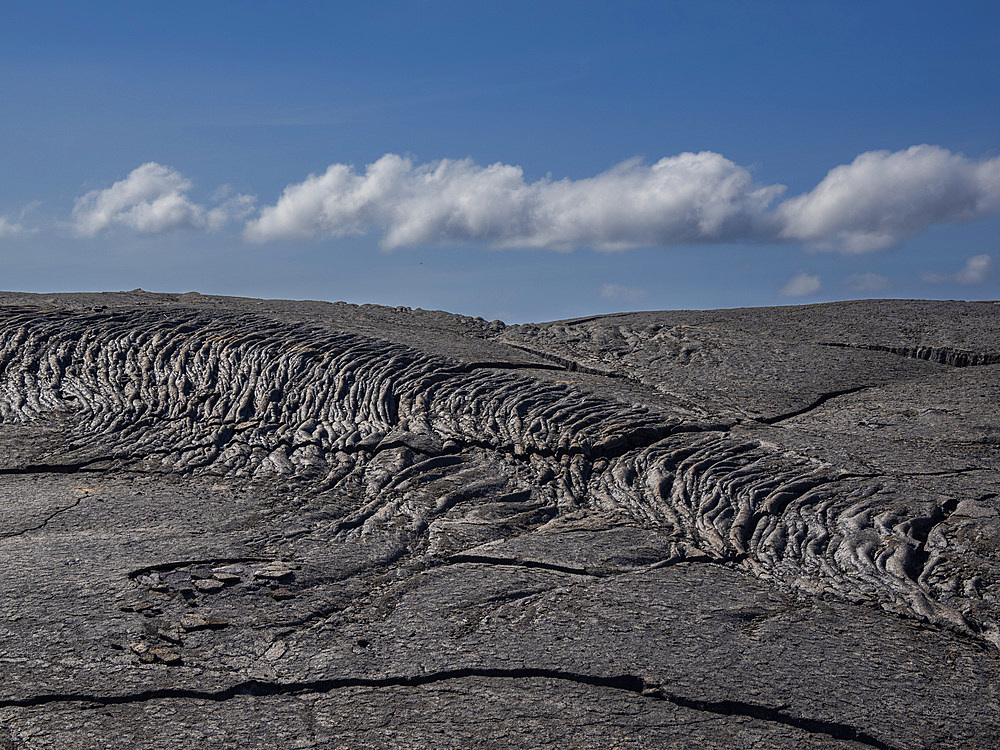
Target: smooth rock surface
column 244, row 523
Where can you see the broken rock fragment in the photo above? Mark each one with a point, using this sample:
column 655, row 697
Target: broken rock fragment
column 198, row 621
column 208, row 585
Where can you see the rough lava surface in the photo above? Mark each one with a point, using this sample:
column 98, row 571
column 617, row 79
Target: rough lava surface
column 237, row 523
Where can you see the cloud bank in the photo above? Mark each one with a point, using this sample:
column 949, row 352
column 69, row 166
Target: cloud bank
column 876, row 201
column 151, row 199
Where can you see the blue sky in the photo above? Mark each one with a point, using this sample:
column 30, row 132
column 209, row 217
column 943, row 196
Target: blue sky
column 522, row 161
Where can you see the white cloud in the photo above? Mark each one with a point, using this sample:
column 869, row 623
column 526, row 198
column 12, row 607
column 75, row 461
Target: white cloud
column 687, row 198
column 10, row 228
column 872, row 203
column 801, row 285
column 867, row 282
column 620, row 293
column 152, row 199
column 882, row 197
column 876, row 201
column 975, row 271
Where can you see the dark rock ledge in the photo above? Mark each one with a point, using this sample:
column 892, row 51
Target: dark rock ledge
column 244, row 523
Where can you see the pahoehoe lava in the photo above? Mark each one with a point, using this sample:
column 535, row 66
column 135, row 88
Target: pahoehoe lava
column 394, row 527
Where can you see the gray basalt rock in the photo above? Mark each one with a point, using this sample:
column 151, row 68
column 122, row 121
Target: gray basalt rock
column 247, row 523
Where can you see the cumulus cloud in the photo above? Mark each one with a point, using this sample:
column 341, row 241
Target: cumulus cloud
column 700, row 197
column 801, row 285
column 621, row 293
column 975, row 271
column 867, row 282
column 882, row 197
column 152, row 199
